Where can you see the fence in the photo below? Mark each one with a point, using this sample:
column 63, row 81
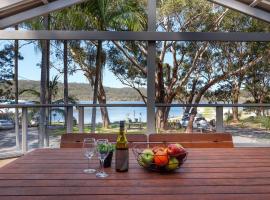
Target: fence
column 81, row 107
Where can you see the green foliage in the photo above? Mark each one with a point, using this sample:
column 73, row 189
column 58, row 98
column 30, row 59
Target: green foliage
column 30, row 91
column 78, row 91
column 102, row 15
column 266, row 122
column 195, row 69
column 106, row 147
column 222, row 93
column 229, row 117
column 6, row 71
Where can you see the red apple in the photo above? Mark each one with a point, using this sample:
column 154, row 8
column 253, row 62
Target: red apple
column 175, row 150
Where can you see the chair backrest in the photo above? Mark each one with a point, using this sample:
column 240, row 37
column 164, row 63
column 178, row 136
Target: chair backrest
column 75, row 140
column 196, row 140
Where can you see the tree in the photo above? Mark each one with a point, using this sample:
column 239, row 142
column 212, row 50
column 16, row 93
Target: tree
column 44, row 46
column 53, row 92
column 239, row 53
column 99, row 15
column 223, row 93
column 196, row 67
column 257, row 83
column 212, row 80
column 171, row 77
column 6, row 71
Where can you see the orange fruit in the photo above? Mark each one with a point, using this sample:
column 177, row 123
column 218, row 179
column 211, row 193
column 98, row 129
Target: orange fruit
column 161, row 158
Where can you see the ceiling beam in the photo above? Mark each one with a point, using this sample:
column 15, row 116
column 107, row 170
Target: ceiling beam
column 255, row 3
column 45, row 1
column 35, row 12
column 9, row 3
column 243, row 8
column 134, row 36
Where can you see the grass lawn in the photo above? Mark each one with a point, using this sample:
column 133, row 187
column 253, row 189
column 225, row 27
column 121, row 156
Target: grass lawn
column 253, row 122
column 114, row 128
column 58, row 129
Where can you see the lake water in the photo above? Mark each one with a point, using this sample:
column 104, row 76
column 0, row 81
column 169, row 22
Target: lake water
column 118, row 113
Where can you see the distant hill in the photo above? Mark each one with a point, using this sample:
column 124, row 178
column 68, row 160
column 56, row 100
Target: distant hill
column 83, row 92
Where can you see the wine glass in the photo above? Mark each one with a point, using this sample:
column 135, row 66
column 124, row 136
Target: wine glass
column 89, row 147
column 102, row 152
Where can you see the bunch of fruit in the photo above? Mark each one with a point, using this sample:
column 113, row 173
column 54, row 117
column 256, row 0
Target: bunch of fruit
column 162, row 158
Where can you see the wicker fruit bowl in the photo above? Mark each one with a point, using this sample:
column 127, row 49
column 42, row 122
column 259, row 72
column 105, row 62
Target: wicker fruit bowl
column 161, row 157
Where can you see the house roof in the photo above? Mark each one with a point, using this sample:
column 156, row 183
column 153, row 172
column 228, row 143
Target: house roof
column 260, row 4
column 11, row 7
column 13, row 12
column 259, row 9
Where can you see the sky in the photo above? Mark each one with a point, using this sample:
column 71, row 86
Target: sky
column 29, row 70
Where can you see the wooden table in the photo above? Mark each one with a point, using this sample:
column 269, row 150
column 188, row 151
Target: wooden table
column 239, row 173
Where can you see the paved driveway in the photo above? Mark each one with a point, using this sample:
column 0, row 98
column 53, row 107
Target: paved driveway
column 249, row 136
column 8, row 141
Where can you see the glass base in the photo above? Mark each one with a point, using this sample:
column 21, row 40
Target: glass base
column 89, row 171
column 102, row 174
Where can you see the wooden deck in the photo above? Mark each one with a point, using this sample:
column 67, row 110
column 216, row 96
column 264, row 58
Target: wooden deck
column 229, row 174
column 4, row 162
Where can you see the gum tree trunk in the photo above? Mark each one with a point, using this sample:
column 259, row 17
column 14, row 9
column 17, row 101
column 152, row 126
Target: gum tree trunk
column 96, row 84
column 235, row 98
column 104, row 110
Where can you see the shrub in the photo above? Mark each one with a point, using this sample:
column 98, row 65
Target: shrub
column 266, row 122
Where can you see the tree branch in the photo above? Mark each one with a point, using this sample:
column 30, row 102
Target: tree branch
column 131, row 59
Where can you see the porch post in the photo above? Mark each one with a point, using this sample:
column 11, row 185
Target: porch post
column 47, row 64
column 65, row 59
column 81, row 119
column 69, row 119
column 24, row 130
column 151, row 69
column 219, row 119
column 16, row 88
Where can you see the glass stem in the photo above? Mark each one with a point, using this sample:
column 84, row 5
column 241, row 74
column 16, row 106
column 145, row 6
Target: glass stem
column 88, row 163
column 102, row 165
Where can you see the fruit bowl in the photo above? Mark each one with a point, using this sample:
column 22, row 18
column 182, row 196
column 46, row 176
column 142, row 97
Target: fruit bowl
column 159, row 156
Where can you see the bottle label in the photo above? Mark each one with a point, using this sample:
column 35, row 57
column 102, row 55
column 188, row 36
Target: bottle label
column 121, row 157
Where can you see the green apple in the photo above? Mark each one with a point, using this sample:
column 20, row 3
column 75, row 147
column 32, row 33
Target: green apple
column 147, row 156
column 173, row 164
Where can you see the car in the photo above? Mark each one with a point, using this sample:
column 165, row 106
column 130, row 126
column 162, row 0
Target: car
column 6, row 124
column 199, row 122
column 185, row 120
column 34, row 122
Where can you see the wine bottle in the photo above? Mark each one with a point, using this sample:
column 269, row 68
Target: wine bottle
column 121, row 157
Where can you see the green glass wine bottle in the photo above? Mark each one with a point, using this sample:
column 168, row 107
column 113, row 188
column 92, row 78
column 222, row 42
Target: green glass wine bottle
column 121, row 157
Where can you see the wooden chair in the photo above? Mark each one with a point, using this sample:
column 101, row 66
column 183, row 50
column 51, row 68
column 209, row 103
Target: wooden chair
column 196, row 140
column 75, row 140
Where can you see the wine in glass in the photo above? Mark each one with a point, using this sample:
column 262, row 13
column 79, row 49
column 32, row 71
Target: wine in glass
column 89, row 147
column 102, row 152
